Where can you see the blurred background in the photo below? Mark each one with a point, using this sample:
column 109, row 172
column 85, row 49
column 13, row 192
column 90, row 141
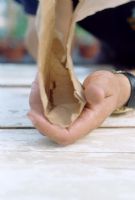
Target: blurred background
column 13, row 27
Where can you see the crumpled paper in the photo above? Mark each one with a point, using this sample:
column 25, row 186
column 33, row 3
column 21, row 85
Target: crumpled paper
column 90, row 7
column 61, row 93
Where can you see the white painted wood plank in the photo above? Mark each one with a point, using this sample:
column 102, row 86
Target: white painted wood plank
column 124, row 120
column 33, row 168
column 15, row 75
column 69, row 183
column 22, row 159
column 23, row 75
column 58, row 176
column 99, row 141
column 14, row 107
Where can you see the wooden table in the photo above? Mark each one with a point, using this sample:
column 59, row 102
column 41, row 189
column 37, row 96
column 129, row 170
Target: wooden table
column 100, row 166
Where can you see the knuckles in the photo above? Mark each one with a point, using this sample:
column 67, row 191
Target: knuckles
column 102, row 74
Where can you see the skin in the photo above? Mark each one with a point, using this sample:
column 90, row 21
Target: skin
column 104, row 92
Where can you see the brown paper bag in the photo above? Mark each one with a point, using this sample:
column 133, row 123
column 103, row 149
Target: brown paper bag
column 90, row 7
column 61, row 93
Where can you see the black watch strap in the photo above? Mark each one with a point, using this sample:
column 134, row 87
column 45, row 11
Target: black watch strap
column 131, row 78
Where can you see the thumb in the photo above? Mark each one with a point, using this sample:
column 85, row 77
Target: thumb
column 98, row 86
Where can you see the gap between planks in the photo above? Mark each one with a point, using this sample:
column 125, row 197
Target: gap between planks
column 16, row 86
column 13, row 112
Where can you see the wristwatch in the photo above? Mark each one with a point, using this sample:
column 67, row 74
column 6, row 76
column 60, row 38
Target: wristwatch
column 130, row 105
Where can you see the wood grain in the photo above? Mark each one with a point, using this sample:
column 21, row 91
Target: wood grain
column 99, row 141
column 16, row 75
column 14, row 107
column 61, row 178
column 31, row 167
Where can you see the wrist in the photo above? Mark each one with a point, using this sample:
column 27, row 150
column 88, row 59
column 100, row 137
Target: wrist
column 124, row 90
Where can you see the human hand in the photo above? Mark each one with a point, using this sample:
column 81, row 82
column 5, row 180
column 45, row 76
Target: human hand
column 104, row 93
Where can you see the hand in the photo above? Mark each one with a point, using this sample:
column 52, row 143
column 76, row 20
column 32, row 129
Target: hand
column 104, row 92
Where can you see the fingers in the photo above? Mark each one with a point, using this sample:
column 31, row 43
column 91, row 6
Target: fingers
column 94, row 94
column 91, row 119
column 98, row 86
column 55, row 133
column 34, row 99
